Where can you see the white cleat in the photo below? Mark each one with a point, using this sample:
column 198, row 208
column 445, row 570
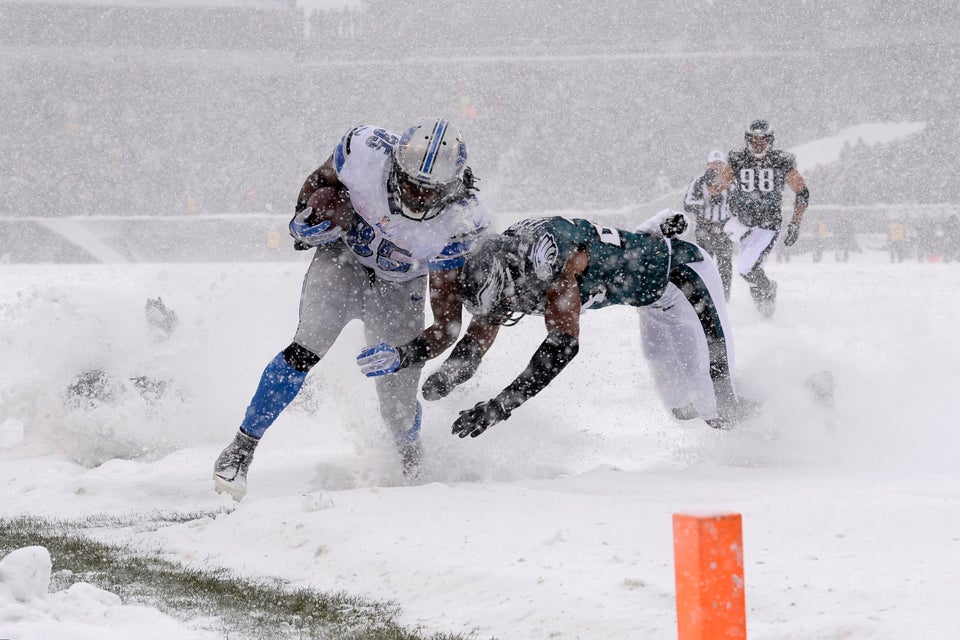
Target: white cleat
column 236, row 488
column 230, row 469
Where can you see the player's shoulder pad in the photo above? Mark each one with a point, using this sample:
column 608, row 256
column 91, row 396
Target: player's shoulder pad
column 542, row 254
column 736, row 156
column 344, row 146
column 784, row 159
column 527, row 226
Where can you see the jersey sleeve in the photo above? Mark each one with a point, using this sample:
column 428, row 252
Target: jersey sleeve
column 473, row 221
column 693, row 200
column 547, row 244
column 788, row 162
column 342, row 151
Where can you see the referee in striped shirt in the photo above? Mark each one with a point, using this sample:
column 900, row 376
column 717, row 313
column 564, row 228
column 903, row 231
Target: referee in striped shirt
column 711, row 208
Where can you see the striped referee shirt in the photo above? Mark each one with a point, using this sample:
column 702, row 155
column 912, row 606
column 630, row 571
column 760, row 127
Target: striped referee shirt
column 706, row 207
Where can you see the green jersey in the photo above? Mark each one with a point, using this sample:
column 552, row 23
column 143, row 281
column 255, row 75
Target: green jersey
column 623, row 267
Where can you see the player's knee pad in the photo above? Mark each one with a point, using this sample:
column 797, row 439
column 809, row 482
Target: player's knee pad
column 300, row 358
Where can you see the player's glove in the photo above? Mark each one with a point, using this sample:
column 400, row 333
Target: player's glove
column 711, row 177
column 312, row 235
column 457, row 369
column 484, row 415
column 793, row 232
column 379, row 360
column 673, row 226
column 438, row 385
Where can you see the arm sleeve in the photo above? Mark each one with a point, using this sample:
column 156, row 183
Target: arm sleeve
column 463, row 361
column 457, row 369
column 550, row 358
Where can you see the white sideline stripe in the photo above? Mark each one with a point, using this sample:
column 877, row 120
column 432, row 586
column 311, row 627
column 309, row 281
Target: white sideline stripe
column 76, row 232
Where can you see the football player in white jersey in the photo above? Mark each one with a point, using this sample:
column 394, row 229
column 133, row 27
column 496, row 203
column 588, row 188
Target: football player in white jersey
column 386, row 214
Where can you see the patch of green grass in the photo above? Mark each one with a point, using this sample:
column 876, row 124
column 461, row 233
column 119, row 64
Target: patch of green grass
column 242, row 607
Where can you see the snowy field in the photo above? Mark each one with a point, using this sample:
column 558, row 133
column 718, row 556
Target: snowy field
column 555, row 524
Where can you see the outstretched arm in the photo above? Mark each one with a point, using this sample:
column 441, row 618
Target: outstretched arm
column 562, row 316
column 446, row 305
column 463, row 361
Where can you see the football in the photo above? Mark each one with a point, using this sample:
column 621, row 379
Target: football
column 333, row 204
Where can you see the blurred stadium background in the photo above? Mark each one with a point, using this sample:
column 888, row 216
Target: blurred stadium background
column 167, row 130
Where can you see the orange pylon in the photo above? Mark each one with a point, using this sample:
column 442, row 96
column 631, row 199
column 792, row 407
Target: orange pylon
column 708, row 562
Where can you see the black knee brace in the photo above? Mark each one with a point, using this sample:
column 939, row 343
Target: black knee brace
column 300, row 358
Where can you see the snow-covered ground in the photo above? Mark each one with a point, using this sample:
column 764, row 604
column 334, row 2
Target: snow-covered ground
column 554, row 524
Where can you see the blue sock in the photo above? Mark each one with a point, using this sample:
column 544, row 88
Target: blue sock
column 279, row 385
column 413, row 433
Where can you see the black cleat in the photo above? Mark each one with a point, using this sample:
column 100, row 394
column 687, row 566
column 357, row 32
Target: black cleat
column 765, row 299
column 411, row 455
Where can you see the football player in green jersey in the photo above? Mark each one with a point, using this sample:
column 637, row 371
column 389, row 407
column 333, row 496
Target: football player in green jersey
column 758, row 173
column 558, row 267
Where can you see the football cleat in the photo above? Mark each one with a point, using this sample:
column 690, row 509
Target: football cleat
column 734, row 415
column 765, row 299
column 411, row 455
column 688, row 412
column 230, row 469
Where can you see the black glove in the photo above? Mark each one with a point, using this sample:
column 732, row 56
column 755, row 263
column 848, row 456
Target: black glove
column 793, row 232
column 438, row 385
column 711, row 177
column 484, row 415
column 457, row 369
column 673, row 226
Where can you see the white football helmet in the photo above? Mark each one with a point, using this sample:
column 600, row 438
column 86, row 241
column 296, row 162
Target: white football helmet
column 428, row 166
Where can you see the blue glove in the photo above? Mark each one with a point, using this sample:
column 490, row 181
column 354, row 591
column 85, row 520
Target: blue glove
column 313, row 235
column 379, row 360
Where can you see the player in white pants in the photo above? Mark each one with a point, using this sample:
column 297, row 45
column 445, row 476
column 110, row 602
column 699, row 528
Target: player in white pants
column 338, row 289
column 675, row 345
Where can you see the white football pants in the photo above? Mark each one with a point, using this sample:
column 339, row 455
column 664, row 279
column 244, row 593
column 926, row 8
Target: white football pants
column 674, row 342
column 753, row 247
